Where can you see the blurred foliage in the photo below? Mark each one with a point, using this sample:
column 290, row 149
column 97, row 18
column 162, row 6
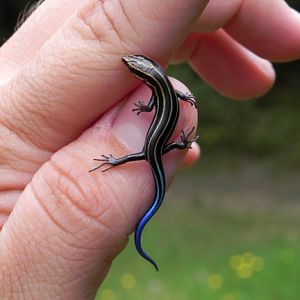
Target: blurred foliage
column 217, row 244
column 263, row 127
column 266, row 126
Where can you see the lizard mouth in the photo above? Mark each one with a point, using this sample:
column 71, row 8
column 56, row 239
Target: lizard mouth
column 128, row 58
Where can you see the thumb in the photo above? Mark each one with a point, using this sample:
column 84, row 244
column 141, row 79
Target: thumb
column 69, row 224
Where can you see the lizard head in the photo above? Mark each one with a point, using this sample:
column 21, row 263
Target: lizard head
column 141, row 66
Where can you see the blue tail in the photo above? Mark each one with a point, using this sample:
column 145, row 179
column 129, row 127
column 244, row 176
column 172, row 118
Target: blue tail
column 160, row 192
column 137, row 240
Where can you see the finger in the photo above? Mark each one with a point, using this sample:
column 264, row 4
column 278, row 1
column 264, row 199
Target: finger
column 12, row 182
column 217, row 14
column 29, row 38
column 270, row 28
column 78, row 74
column 69, row 224
column 7, row 203
column 227, row 66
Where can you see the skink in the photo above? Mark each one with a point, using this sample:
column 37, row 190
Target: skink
column 165, row 101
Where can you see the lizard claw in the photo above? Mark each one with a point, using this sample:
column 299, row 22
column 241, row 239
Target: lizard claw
column 185, row 138
column 140, row 107
column 190, row 98
column 107, row 160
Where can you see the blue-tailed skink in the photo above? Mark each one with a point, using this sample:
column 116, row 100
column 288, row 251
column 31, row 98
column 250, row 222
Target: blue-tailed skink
column 165, row 101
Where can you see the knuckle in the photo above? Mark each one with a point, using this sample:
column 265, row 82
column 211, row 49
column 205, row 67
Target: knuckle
column 104, row 22
column 72, row 191
column 21, row 111
column 19, row 158
column 86, row 23
column 74, row 199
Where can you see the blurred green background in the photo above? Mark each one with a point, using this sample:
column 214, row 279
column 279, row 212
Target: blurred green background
column 230, row 226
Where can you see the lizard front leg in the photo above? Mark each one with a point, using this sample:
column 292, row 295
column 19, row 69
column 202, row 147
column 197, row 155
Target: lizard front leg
column 141, row 107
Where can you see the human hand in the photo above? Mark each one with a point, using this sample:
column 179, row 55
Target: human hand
column 59, row 73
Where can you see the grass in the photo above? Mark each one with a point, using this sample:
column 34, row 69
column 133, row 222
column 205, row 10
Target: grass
column 227, row 231
column 229, row 228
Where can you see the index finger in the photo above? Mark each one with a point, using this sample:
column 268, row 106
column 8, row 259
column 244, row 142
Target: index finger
column 269, row 28
column 77, row 74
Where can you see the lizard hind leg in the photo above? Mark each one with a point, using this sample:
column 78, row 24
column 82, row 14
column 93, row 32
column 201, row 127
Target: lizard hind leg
column 109, row 161
column 185, row 142
column 188, row 97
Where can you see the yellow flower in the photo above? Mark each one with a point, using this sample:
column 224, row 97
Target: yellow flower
column 214, row 281
column 248, row 257
column 246, row 264
column 128, row 282
column 235, row 261
column 107, row 295
column 244, row 271
column 228, row 297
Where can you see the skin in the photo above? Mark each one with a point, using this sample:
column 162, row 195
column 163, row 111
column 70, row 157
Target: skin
column 61, row 86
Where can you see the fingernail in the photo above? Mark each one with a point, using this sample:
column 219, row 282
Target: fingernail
column 268, row 68
column 129, row 128
column 265, row 65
